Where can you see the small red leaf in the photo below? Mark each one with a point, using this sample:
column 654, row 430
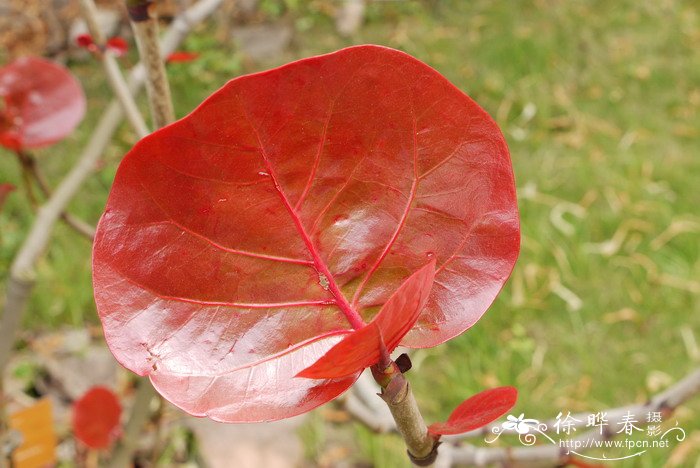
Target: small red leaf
column 362, row 348
column 96, row 418
column 118, row 45
column 477, row 411
column 43, row 103
column 5, row 190
column 85, row 41
column 182, row 56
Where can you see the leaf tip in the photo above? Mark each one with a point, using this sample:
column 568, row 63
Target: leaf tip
column 477, row 411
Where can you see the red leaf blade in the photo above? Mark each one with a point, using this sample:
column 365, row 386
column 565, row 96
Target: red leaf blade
column 401, row 311
column 43, row 103
column 477, row 411
column 248, row 394
column 289, row 206
column 361, row 348
column 96, row 418
column 358, row 350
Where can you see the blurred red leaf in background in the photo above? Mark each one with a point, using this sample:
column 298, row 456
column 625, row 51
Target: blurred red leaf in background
column 43, row 103
column 181, row 56
column 85, row 41
column 118, row 45
column 96, row 418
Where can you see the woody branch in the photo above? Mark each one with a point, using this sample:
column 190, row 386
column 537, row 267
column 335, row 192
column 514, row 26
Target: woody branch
column 421, row 446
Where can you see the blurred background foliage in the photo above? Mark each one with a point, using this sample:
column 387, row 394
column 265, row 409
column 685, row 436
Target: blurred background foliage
column 600, row 104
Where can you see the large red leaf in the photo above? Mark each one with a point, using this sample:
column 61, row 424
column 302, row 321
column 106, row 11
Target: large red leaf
column 242, row 242
column 43, row 103
column 477, row 411
column 96, row 418
column 362, row 348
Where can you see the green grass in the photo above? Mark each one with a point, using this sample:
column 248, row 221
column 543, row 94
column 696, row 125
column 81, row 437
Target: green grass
column 600, row 104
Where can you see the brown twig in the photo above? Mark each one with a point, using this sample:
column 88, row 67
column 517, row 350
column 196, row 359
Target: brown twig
column 32, row 171
column 145, row 26
column 396, row 392
column 139, row 414
column 27, row 182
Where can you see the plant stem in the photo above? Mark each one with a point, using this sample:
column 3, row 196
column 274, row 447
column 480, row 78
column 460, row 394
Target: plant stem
column 27, row 182
column 32, row 171
column 145, row 26
column 396, row 392
column 138, row 416
column 112, row 70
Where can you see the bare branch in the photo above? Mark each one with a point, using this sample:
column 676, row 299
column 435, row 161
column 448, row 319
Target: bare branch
column 350, row 16
column 140, row 410
column 145, row 26
column 30, row 168
column 112, row 70
column 396, row 392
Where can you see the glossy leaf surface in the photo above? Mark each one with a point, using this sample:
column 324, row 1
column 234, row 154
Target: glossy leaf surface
column 43, row 103
column 242, row 242
column 477, row 411
column 362, row 348
column 96, row 418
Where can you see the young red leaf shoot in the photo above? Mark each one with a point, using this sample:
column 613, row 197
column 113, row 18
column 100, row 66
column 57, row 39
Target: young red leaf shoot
column 96, row 418
column 477, row 411
column 243, row 242
column 358, row 350
column 361, row 348
column 118, row 45
column 182, row 56
column 43, row 103
column 86, row 42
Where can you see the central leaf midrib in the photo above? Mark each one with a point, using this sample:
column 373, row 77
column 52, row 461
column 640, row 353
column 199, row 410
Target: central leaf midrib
column 351, row 314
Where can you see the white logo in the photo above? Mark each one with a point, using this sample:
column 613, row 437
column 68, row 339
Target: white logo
column 529, row 430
